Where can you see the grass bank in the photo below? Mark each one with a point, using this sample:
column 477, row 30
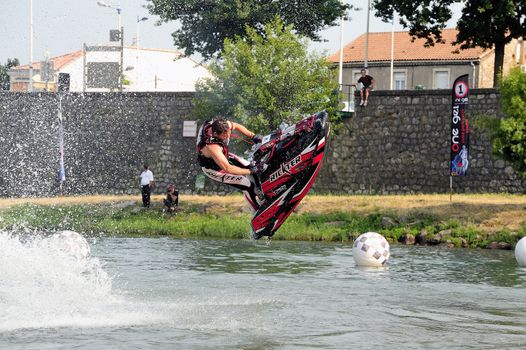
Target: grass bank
column 467, row 220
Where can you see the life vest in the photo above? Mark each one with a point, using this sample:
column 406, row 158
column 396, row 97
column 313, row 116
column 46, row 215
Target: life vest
column 204, row 137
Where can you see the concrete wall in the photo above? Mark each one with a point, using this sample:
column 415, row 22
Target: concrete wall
column 397, row 144
column 422, row 74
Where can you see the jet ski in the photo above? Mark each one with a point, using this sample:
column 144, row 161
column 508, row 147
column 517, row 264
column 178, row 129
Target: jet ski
column 292, row 157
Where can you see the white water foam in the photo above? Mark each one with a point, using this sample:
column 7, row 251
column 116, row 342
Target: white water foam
column 53, row 281
column 42, row 283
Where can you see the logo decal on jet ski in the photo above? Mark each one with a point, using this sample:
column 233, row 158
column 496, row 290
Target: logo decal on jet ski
column 284, row 169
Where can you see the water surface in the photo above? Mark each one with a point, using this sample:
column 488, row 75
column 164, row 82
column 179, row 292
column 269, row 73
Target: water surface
column 161, row 293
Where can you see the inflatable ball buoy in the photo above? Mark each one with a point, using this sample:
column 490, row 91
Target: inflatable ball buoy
column 370, row 249
column 520, row 252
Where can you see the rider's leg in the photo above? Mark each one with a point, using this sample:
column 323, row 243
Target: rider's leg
column 241, row 182
column 243, row 163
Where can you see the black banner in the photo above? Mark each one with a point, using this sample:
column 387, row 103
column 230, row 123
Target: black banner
column 459, row 128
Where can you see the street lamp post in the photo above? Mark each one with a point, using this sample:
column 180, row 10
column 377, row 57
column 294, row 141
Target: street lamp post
column 340, row 73
column 121, row 36
column 30, row 88
column 367, row 35
column 118, row 8
column 139, row 20
column 392, row 54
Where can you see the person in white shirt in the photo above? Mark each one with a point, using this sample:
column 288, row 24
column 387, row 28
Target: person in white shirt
column 146, row 184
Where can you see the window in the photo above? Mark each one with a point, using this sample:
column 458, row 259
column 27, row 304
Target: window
column 399, row 80
column 441, row 78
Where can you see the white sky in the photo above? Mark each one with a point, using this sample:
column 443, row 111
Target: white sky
column 62, row 26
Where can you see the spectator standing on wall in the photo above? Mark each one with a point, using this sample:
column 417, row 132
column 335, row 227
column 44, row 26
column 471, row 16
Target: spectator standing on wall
column 146, row 185
column 367, row 82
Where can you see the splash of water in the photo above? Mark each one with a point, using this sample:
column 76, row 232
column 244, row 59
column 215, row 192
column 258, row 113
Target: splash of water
column 54, row 281
column 49, row 281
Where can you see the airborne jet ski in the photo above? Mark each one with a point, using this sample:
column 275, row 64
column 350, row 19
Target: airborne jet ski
column 293, row 157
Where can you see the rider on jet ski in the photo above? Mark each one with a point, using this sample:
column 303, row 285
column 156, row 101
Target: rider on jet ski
column 220, row 165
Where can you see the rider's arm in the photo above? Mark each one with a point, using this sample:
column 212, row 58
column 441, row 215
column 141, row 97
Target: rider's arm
column 242, row 129
column 219, row 158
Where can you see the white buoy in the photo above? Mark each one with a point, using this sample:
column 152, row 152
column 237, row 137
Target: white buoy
column 520, row 252
column 370, row 249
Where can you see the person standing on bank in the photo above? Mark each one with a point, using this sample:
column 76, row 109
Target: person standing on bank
column 146, row 185
column 367, row 82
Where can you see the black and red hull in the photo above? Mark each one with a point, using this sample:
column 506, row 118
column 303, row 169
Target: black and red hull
column 294, row 156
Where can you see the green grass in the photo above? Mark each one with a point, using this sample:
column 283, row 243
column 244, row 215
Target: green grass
column 196, row 222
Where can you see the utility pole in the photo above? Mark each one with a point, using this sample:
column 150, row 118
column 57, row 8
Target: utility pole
column 30, row 89
column 340, row 74
column 392, row 55
column 122, row 56
column 367, row 35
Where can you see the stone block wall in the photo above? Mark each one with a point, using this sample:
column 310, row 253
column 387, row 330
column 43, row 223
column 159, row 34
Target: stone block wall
column 107, row 139
column 399, row 143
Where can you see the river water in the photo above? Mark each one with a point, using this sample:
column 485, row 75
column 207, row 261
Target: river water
column 162, row 293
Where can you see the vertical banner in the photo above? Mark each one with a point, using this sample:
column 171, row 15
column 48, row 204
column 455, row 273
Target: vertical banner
column 459, row 128
column 61, row 172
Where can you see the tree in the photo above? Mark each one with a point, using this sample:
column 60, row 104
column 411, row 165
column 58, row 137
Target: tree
column 509, row 134
column 4, row 78
column 484, row 23
column 263, row 80
column 207, row 23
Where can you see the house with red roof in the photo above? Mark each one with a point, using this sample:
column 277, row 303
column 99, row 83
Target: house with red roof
column 418, row 67
column 97, row 69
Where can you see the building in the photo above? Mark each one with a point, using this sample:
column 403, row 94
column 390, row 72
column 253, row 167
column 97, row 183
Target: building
column 97, row 68
column 419, row 67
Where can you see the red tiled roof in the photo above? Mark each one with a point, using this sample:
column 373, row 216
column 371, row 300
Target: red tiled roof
column 61, row 61
column 58, row 62
column 404, row 49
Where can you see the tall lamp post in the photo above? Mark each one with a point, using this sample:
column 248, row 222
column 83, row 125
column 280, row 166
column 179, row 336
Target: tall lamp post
column 392, row 54
column 121, row 36
column 139, row 20
column 367, row 35
column 118, row 8
column 30, row 88
column 340, row 73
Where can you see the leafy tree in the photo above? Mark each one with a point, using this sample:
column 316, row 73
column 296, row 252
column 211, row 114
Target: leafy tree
column 263, row 80
column 484, row 23
column 207, row 23
column 4, row 78
column 509, row 138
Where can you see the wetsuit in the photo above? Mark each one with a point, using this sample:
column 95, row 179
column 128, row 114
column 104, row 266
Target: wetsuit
column 245, row 183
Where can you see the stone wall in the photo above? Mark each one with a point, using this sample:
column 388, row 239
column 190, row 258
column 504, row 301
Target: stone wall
column 400, row 143
column 107, row 136
column 397, row 144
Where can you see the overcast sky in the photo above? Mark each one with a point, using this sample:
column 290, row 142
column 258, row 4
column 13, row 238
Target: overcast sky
column 62, row 26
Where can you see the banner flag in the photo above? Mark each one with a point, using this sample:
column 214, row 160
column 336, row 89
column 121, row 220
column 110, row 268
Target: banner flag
column 459, row 128
column 61, row 171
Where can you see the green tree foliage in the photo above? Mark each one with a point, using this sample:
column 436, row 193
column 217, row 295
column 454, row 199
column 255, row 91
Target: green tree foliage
column 263, row 80
column 509, row 141
column 207, row 23
column 4, row 78
column 484, row 23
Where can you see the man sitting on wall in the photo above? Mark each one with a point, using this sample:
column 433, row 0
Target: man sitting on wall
column 367, row 82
